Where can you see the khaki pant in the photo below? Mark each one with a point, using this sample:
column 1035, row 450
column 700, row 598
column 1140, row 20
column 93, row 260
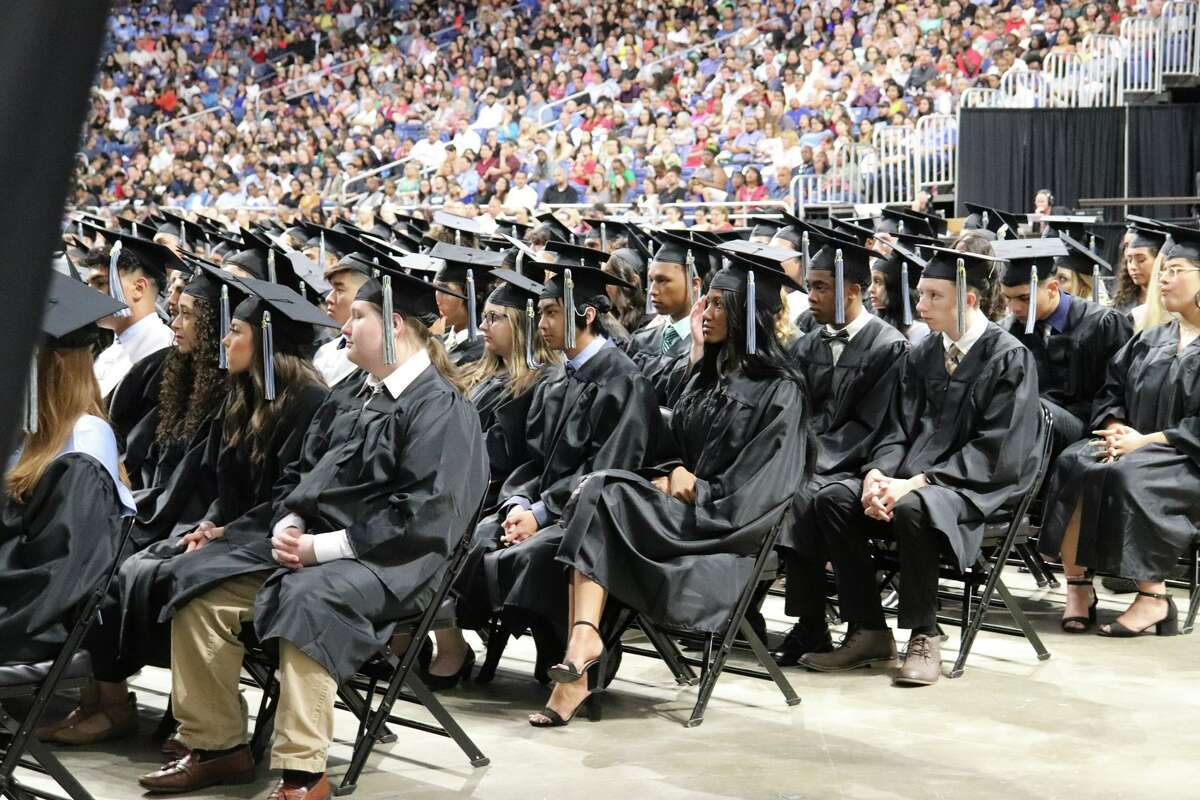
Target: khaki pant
column 206, row 664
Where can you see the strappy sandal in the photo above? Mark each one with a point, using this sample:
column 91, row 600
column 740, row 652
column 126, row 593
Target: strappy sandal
column 566, row 672
column 590, row 705
column 1167, row 626
column 1084, row 623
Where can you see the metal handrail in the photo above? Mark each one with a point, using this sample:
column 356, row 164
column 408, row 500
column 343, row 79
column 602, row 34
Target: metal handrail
column 218, row 108
column 315, row 74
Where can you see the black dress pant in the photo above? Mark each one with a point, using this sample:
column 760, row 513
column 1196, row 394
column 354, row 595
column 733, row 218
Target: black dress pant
column 848, row 531
column 804, row 559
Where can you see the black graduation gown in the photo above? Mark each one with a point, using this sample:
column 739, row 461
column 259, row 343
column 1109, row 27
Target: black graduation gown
column 53, row 550
column 646, row 341
column 502, row 419
column 1142, row 511
column 604, row 416
column 1071, row 365
column 404, row 477
column 467, row 351
column 133, row 412
column 848, row 403
column 658, row 366
column 684, row 564
column 973, row 435
column 184, row 486
column 241, row 496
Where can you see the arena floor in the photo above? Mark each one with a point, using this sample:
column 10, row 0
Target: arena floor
column 1102, row 718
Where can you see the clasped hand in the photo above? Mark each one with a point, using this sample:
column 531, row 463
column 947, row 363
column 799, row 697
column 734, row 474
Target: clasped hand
column 882, row 492
column 292, row 548
column 1115, row 441
column 204, row 533
column 517, row 526
column 680, row 484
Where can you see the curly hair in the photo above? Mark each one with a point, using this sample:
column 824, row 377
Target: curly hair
column 192, row 386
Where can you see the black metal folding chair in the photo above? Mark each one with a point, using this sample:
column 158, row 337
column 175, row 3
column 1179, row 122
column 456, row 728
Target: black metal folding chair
column 385, row 677
column 70, row 669
column 714, row 647
column 982, row 582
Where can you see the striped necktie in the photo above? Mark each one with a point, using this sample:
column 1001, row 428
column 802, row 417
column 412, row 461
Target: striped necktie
column 953, row 357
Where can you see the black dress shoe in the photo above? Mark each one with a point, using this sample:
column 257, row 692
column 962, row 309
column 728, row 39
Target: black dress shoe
column 802, row 639
column 1118, row 585
column 438, row 683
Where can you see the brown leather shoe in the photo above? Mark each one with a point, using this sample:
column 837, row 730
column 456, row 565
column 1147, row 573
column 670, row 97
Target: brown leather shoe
column 321, row 790
column 923, row 662
column 190, row 773
column 174, row 748
column 94, row 724
column 860, row 648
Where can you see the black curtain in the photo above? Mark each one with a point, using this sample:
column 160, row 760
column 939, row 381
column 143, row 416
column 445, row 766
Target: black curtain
column 1164, row 149
column 1007, row 155
column 48, row 55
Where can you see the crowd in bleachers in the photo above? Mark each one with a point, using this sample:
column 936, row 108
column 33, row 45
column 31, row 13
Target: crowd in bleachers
column 232, row 105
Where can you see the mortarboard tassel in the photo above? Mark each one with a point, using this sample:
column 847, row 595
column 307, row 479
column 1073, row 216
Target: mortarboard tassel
column 115, row 290
column 751, row 321
column 569, row 308
column 983, row 220
column 688, row 274
column 1031, row 317
column 183, row 245
column 271, row 266
column 530, row 331
column 604, row 237
column 268, row 354
column 472, row 310
column 804, row 251
column 960, row 290
column 222, row 356
column 839, row 288
column 1097, row 280
column 389, row 330
column 79, row 228
column 133, row 228
column 458, row 238
column 30, row 422
column 520, row 262
column 906, row 305
column 321, row 253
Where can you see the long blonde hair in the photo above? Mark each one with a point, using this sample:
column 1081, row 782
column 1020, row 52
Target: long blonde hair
column 437, row 353
column 67, row 390
column 520, row 377
column 1156, row 312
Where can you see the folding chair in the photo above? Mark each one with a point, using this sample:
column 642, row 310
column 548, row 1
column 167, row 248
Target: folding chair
column 70, row 669
column 385, row 677
column 715, row 647
column 1001, row 532
column 1192, row 561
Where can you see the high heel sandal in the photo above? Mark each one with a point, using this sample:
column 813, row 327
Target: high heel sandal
column 1167, row 626
column 1087, row 622
column 590, row 705
column 566, row 672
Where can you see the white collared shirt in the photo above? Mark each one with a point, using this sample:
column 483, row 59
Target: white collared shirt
column 852, row 329
column 332, row 545
column 455, row 337
column 332, row 360
column 144, row 337
column 976, row 325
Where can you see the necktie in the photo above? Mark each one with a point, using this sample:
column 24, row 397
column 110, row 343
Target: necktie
column 670, row 339
column 953, row 356
column 570, row 369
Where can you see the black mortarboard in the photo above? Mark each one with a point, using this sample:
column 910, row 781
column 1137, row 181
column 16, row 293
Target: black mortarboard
column 513, row 228
column 936, row 224
column 964, row 269
column 517, row 291
column 635, row 238
column 1181, row 242
column 222, row 291
column 412, row 221
column 340, row 243
column 764, row 228
column 72, row 311
column 1075, row 226
column 761, row 286
column 847, row 262
column 916, row 222
column 852, row 229
column 411, row 296
column 1085, row 260
column 578, row 287
column 470, row 268
column 1030, row 261
column 458, row 223
column 154, row 259
column 558, row 229
column 902, row 269
column 285, row 320
column 575, row 254
column 994, row 220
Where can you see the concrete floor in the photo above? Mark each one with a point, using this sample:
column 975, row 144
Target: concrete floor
column 1102, row 718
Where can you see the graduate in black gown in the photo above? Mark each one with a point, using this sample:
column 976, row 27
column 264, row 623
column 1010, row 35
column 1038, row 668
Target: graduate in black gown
column 677, row 543
column 1125, row 503
column 630, row 304
column 360, row 532
column 465, row 276
column 852, row 366
column 193, row 391
column 60, row 523
column 893, row 288
column 595, row 411
column 959, row 444
column 1072, row 338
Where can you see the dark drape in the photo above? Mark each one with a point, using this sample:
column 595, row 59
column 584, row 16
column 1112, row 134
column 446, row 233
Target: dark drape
column 1164, row 149
column 1007, row 155
column 48, row 55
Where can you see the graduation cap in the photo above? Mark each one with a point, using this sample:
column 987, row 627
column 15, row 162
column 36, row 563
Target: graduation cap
column 847, row 262
column 222, row 291
column 517, row 291
column 1075, row 226
column 964, row 269
column 1029, row 261
column 851, row 229
column 1146, row 232
column 764, row 228
column 1181, row 242
column 466, row 266
column 286, row 322
column 574, row 283
column 413, row 221
column 909, row 221
column 459, row 224
column 557, row 228
column 397, row 290
column 329, row 240
column 902, row 268
column 997, row 221
column 511, row 227
column 153, row 258
column 565, row 253
column 1085, row 260
column 698, row 259
column 760, row 283
column 69, row 322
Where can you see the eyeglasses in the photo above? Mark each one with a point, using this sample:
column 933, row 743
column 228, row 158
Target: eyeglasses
column 1171, row 273
column 492, row 317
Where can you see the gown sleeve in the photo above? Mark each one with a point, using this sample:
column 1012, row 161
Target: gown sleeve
column 1110, row 402
column 1184, row 436
column 844, row 444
